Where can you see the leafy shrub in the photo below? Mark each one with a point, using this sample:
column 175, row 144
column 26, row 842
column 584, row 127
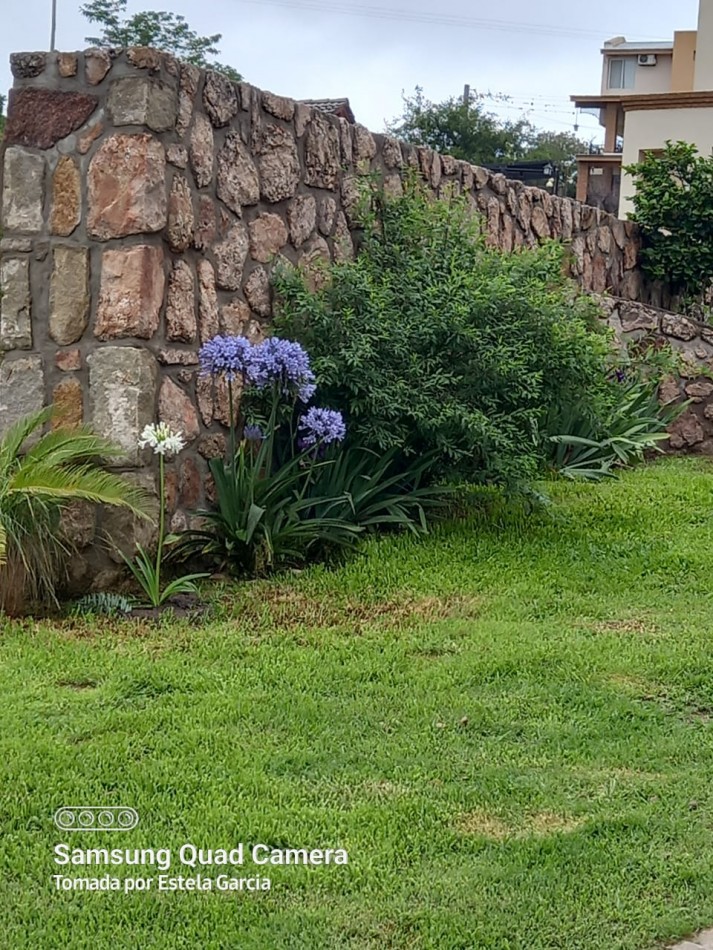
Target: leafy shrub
column 432, row 342
column 36, row 483
column 672, row 203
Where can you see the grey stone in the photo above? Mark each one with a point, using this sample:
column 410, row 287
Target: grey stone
column 15, row 320
column 27, row 65
column 678, row 327
column 278, row 163
column 69, row 295
column 230, row 255
column 302, row 217
column 23, row 191
column 327, row 215
column 190, row 76
column 22, row 389
column 257, row 292
column 238, row 183
column 220, row 98
column 279, row 106
column 142, row 101
column 122, row 395
column 123, row 531
column 322, row 153
column 201, row 150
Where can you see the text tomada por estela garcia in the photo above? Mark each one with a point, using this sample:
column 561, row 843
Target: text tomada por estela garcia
column 192, row 856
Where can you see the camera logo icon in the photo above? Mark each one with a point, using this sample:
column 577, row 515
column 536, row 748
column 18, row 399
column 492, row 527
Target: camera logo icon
column 96, row 818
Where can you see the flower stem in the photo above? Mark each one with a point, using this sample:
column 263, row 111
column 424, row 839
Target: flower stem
column 161, row 528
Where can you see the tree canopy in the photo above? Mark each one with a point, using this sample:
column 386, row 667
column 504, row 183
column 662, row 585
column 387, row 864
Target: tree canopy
column 156, row 28
column 465, row 129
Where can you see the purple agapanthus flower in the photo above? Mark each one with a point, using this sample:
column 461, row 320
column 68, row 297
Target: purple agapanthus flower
column 253, row 433
column 321, row 426
column 228, row 356
column 283, row 362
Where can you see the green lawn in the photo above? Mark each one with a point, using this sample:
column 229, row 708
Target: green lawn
column 509, row 728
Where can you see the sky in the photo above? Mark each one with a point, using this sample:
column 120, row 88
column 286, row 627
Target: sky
column 537, row 54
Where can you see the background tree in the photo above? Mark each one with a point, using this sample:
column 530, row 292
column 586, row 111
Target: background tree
column 161, row 30
column 2, row 116
column 466, row 130
column 672, row 206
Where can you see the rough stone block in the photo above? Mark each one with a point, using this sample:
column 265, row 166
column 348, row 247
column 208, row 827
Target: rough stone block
column 322, row 153
column 202, row 150
column 177, row 411
column 220, row 98
column 97, row 63
column 39, row 118
column 23, row 191
column 123, row 531
column 138, row 100
column 66, row 197
column 127, row 187
column 181, row 304
column 68, row 402
column 122, row 394
column 131, row 292
column 27, row 65
column 15, row 304
column 22, row 389
column 238, row 183
column 268, row 235
column 69, row 295
column 230, row 256
column 180, row 215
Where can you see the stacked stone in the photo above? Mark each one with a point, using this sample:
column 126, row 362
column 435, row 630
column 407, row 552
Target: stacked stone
column 145, row 204
column 692, row 341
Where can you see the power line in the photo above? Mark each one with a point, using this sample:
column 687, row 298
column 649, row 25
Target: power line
column 386, row 13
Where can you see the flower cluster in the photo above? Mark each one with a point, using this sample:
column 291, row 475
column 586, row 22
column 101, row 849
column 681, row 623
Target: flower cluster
column 253, row 433
column 162, row 439
column 321, row 427
column 228, row 356
column 285, row 363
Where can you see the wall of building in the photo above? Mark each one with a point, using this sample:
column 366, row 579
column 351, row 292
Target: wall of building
column 145, row 204
column 650, row 129
column 647, row 79
column 684, row 61
column 703, row 79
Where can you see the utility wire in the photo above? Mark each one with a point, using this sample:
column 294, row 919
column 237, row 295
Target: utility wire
column 386, row 13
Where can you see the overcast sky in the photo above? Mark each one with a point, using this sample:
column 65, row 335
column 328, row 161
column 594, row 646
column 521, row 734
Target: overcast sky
column 537, row 53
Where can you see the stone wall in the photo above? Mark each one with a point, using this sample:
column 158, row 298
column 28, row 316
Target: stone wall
column 635, row 323
column 144, row 205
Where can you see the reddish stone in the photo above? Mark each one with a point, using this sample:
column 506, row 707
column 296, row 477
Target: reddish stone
column 89, row 138
column 207, row 302
column 97, row 63
column 176, row 357
column 181, row 304
column 257, row 292
column 190, row 484
column 131, row 293
column 127, row 187
column 176, row 410
column 268, row 235
column 180, row 215
column 68, row 361
column 234, row 317
column 230, row 255
column 212, row 446
column 39, row 118
column 206, row 225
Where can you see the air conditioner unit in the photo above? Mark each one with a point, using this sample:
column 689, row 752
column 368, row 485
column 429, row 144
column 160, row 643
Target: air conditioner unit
column 647, row 59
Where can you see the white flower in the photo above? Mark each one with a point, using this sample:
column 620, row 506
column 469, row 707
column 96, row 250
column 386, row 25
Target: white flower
column 161, row 439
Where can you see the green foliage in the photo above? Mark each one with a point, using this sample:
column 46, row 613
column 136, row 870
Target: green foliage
column 432, row 342
column 592, row 449
column 158, row 29
column 2, row 116
column 468, row 131
column 265, row 516
column 102, row 604
column 672, row 206
column 35, row 485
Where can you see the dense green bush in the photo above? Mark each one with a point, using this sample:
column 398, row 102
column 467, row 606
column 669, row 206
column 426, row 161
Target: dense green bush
column 672, row 206
column 432, row 342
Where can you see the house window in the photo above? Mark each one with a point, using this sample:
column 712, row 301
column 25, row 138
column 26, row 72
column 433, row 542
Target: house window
column 622, row 72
